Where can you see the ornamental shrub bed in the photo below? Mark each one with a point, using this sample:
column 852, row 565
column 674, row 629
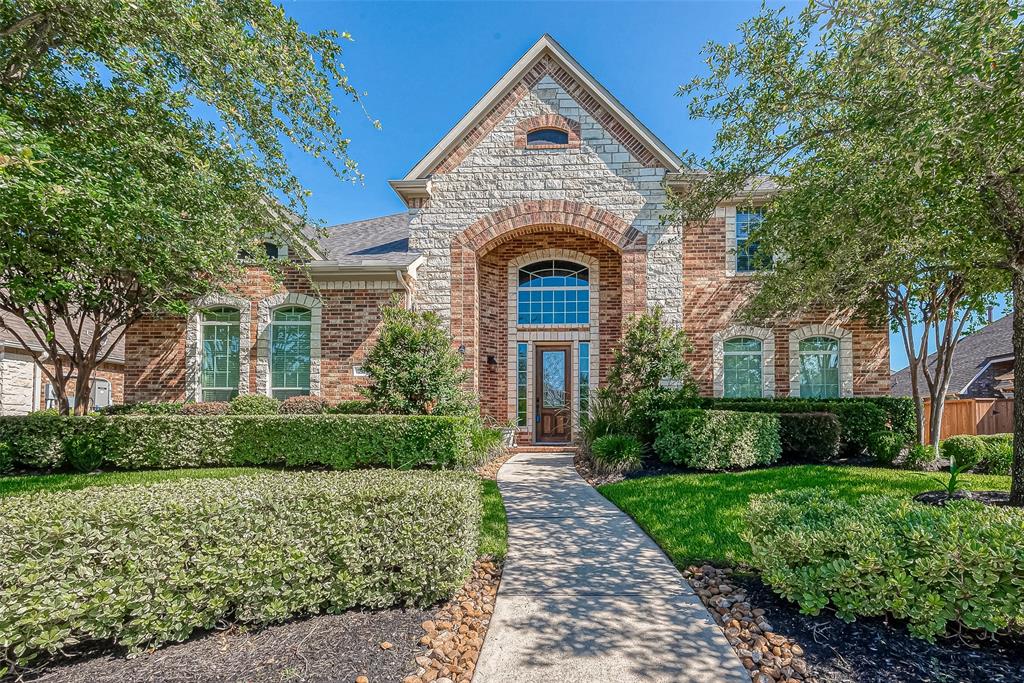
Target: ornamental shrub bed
column 809, row 437
column 986, row 454
column 858, row 417
column 143, row 565
column 930, row 565
column 342, row 442
column 718, row 439
column 617, row 453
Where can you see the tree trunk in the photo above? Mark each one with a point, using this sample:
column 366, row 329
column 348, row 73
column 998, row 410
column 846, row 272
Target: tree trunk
column 1017, row 470
column 83, row 393
column 919, row 413
column 935, row 420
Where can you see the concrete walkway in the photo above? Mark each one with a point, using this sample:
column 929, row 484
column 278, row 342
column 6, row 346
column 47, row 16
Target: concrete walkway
column 587, row 596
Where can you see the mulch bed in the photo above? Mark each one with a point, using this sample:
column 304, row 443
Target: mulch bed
column 986, row 497
column 325, row 648
column 875, row 651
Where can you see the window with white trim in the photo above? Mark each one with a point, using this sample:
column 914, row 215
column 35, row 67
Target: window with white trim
column 747, row 221
column 742, row 367
column 290, row 352
column 554, row 292
column 220, row 354
column 819, row 367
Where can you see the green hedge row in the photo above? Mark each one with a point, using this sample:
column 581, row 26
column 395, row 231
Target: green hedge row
column 246, row 404
column 809, row 437
column 717, row 439
column 138, row 566
column 44, row 441
column 858, row 417
column 931, row 566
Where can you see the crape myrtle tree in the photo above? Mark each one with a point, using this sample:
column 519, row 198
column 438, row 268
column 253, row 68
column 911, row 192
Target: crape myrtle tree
column 893, row 131
column 142, row 148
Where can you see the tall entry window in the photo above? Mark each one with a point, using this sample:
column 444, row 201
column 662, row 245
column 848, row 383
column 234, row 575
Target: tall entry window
column 290, row 352
column 220, row 363
column 554, row 293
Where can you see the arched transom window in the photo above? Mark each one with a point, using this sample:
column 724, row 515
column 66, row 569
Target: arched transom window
column 742, row 367
column 547, row 136
column 554, row 293
column 819, row 367
column 220, row 351
column 290, row 352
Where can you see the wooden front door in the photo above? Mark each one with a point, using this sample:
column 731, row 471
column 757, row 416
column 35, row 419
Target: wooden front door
column 553, row 394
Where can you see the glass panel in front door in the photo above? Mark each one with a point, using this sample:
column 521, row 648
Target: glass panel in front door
column 553, row 390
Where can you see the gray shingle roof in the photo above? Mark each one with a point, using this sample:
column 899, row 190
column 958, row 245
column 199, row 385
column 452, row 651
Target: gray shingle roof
column 972, row 352
column 9, row 339
column 374, row 241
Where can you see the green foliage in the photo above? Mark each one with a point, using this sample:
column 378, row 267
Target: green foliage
column 201, row 408
column 6, row 460
column 919, row 456
column 254, row 404
column 606, row 416
column 413, row 368
column 82, row 452
column 617, row 453
column 809, row 437
column 886, row 446
column 718, row 439
column 859, row 418
column 494, row 524
column 350, row 408
column 165, row 408
column 929, row 565
column 167, row 441
column 650, row 373
column 486, row 442
column 21, row 484
column 303, row 405
column 987, row 454
column 144, row 565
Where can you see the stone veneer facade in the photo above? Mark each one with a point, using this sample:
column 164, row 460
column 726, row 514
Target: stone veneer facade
column 495, row 203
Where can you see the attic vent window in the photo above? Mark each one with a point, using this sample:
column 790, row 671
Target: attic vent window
column 543, row 137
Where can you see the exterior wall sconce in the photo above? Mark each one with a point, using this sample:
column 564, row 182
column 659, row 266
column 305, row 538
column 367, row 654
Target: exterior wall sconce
column 462, row 349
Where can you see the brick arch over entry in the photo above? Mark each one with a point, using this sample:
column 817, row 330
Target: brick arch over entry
column 546, row 223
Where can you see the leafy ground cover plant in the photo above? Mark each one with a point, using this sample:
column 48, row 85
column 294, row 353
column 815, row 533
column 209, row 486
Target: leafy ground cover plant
column 718, row 439
column 930, row 565
column 143, row 565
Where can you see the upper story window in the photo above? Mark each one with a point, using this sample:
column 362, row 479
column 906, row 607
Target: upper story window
column 554, row 293
column 742, row 367
column 819, row 367
column 747, row 222
column 220, row 349
column 290, row 352
column 547, row 136
column 272, row 250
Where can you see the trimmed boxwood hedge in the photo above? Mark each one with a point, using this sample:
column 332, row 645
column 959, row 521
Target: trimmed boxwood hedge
column 809, row 437
column 42, row 441
column 717, row 439
column 858, row 417
column 929, row 565
column 138, row 566
column 984, row 453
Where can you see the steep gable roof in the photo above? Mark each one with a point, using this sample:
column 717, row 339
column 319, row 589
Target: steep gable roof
column 545, row 58
column 972, row 355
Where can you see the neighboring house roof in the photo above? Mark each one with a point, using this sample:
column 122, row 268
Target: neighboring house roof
column 380, row 241
column 545, row 47
column 973, row 354
column 10, row 326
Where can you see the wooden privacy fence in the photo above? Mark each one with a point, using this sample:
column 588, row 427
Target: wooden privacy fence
column 974, row 416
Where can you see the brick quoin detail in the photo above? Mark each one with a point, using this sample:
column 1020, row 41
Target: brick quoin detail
column 547, row 121
column 575, row 89
column 541, row 224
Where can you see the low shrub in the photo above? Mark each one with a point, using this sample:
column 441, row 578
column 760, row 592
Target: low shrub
column 202, row 408
column 606, row 416
column 83, row 452
column 148, row 408
column 486, row 442
column 858, row 417
column 998, row 456
column 353, row 407
column 138, row 566
column 885, row 446
column 168, row 441
column 965, row 451
column 303, row 405
column 617, row 453
column 809, row 437
column 6, row 459
column 929, row 565
column 718, row 439
column 254, row 404
column 919, row 457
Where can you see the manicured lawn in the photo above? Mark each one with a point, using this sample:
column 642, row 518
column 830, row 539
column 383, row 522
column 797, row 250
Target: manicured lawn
column 697, row 517
column 20, row 485
column 494, row 526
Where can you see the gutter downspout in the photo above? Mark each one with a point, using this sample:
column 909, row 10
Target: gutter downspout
column 405, row 287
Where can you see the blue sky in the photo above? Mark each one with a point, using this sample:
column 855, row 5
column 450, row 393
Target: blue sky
column 424, row 64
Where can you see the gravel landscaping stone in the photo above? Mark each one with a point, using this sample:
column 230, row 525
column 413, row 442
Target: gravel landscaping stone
column 455, row 634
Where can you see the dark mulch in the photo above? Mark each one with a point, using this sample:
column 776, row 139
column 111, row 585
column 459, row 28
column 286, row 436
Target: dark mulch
column 986, row 497
column 873, row 651
column 322, row 648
